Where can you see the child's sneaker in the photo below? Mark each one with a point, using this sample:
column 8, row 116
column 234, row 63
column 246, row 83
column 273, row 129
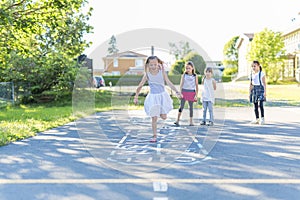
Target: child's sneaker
column 262, row 121
column 202, row 123
column 256, row 121
column 210, row 124
column 176, row 123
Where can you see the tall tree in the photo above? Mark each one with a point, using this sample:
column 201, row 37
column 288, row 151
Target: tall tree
column 267, row 47
column 112, row 49
column 230, row 53
column 198, row 61
column 40, row 40
column 180, row 50
column 177, row 68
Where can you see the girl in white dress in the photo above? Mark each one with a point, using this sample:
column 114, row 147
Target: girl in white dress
column 158, row 102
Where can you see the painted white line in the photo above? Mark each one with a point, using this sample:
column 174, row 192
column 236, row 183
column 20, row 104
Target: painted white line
column 195, row 140
column 123, row 139
column 138, row 181
column 160, row 186
column 158, row 150
column 204, row 151
column 207, row 158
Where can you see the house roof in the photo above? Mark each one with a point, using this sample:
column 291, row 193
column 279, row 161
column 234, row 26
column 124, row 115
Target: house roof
column 242, row 37
column 291, row 30
column 249, row 35
column 128, row 54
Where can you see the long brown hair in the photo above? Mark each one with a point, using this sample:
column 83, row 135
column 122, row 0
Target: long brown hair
column 152, row 58
column 207, row 69
column 190, row 63
column 256, row 62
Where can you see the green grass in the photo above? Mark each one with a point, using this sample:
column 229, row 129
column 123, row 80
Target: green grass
column 280, row 95
column 24, row 121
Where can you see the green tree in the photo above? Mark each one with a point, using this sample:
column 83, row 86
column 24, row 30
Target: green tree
column 41, row 41
column 198, row 61
column 112, row 49
column 177, row 67
column 179, row 50
column 267, row 47
column 230, row 53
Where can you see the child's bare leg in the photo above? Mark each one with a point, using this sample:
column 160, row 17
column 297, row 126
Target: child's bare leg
column 154, row 126
column 163, row 116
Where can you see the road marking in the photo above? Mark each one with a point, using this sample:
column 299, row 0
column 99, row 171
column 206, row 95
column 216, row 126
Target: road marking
column 123, row 139
column 158, row 149
column 113, row 153
column 160, row 186
column 204, row 151
column 138, row 181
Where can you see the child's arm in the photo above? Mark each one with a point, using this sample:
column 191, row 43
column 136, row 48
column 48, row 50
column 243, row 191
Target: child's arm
column 197, row 88
column 181, row 82
column 264, row 84
column 214, row 84
column 171, row 85
column 138, row 89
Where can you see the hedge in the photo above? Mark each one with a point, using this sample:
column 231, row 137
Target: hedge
column 133, row 80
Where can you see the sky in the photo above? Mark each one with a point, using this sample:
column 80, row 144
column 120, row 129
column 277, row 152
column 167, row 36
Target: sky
column 209, row 23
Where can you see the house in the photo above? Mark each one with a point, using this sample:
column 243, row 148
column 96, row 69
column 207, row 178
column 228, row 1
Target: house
column 292, row 46
column 127, row 62
column 242, row 45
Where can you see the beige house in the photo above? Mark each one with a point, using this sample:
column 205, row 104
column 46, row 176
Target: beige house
column 127, row 62
column 292, row 46
column 244, row 66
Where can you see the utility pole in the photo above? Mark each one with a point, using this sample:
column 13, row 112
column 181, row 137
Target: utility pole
column 152, row 50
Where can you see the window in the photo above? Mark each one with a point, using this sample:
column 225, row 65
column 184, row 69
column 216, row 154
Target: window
column 116, row 63
column 139, row 62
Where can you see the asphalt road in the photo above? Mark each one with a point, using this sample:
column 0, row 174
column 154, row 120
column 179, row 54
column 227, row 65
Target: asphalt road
column 109, row 156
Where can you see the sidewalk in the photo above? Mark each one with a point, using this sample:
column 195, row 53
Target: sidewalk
column 246, row 162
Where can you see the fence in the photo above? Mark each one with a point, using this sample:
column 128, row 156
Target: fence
column 6, row 93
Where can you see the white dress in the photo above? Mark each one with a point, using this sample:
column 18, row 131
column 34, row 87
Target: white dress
column 158, row 101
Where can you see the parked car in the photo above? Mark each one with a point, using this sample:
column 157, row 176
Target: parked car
column 98, row 81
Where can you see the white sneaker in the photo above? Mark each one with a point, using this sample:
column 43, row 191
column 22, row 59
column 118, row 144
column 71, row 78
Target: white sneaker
column 262, row 121
column 256, row 121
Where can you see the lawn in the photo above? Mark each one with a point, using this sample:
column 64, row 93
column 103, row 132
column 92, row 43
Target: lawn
column 278, row 95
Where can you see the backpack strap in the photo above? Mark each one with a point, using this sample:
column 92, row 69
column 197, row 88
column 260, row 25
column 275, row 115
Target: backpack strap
column 259, row 76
